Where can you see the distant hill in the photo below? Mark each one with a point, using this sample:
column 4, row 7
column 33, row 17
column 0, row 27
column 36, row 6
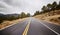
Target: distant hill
column 8, row 17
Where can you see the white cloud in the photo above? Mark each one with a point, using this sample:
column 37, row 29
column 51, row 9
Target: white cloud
column 17, row 6
column 4, row 7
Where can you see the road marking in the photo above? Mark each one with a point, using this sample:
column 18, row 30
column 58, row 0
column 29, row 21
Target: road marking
column 26, row 29
column 50, row 28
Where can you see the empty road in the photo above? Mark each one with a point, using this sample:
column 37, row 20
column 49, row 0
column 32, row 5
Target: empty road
column 32, row 26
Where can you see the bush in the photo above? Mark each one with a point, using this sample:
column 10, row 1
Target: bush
column 51, row 19
column 1, row 21
column 58, row 17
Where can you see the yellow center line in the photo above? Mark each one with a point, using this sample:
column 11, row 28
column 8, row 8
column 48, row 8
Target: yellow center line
column 26, row 29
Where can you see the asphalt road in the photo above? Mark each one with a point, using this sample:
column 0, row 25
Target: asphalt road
column 32, row 26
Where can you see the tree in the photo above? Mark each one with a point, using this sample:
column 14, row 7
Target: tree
column 59, row 2
column 36, row 13
column 28, row 14
column 49, row 6
column 58, row 6
column 45, row 9
column 22, row 15
column 54, row 5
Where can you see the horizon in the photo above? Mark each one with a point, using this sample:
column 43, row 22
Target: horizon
column 18, row 6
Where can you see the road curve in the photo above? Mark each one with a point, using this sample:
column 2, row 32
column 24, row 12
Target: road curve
column 32, row 26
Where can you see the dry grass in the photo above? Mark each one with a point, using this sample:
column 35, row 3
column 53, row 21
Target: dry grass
column 53, row 16
column 7, row 23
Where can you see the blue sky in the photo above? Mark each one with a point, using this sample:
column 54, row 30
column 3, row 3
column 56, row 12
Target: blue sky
column 18, row 6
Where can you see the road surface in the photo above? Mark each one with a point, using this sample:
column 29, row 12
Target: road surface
column 32, row 26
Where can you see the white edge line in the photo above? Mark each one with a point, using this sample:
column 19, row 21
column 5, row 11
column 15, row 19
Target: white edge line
column 50, row 28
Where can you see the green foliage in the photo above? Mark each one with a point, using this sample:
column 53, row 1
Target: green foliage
column 36, row 13
column 48, row 8
column 54, row 5
column 23, row 15
column 44, row 8
column 58, row 6
column 28, row 15
column 11, row 17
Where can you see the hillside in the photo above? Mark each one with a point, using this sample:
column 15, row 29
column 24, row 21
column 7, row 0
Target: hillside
column 52, row 16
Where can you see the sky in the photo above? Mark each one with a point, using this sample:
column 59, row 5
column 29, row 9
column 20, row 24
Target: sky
column 18, row 6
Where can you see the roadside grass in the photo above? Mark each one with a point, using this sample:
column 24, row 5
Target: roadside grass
column 53, row 16
column 7, row 23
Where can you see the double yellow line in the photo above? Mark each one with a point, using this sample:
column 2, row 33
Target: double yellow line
column 26, row 29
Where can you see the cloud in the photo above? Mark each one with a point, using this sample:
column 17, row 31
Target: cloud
column 4, row 7
column 18, row 6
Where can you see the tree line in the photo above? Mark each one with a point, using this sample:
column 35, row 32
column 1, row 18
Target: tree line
column 49, row 7
column 11, row 17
